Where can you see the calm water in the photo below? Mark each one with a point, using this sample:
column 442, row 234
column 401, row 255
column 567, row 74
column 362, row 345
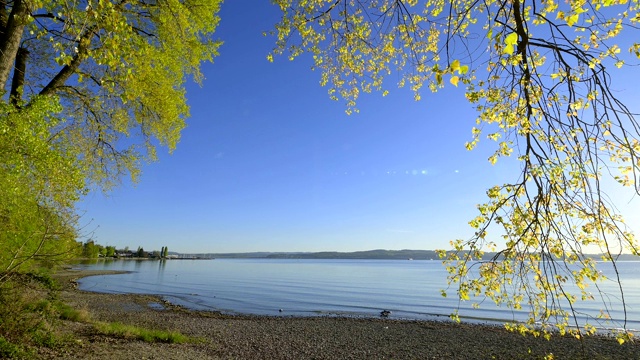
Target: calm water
column 410, row 289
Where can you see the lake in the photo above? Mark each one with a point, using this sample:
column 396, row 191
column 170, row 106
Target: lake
column 409, row 289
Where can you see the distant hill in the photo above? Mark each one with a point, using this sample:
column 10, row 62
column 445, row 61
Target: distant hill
column 370, row 254
column 378, row 254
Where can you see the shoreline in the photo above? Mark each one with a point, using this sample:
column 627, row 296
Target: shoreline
column 227, row 336
column 188, row 301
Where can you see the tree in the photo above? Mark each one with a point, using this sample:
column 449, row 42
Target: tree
column 38, row 185
column 110, row 251
column 540, row 75
column 88, row 91
column 90, row 249
column 165, row 252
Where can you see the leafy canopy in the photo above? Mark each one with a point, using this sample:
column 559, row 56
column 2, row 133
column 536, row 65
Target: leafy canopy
column 38, row 187
column 90, row 90
column 540, row 75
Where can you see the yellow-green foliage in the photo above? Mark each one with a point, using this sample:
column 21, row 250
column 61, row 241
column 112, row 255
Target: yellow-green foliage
column 130, row 62
column 39, row 183
column 103, row 87
column 541, row 77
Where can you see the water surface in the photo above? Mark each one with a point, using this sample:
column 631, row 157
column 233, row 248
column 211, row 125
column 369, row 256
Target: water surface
column 409, row 289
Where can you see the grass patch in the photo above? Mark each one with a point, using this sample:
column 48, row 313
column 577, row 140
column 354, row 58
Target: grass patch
column 147, row 335
column 9, row 350
column 68, row 313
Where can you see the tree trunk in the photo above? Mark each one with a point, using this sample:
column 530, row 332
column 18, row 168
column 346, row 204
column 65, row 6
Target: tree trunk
column 18, row 75
column 11, row 39
column 3, row 17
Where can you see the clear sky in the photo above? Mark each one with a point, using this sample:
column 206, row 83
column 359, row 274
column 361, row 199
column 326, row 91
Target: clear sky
column 269, row 163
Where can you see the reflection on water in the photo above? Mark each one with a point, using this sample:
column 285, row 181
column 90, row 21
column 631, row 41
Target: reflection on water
column 410, row 289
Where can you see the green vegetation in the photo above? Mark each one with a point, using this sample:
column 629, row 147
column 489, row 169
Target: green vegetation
column 31, row 316
column 133, row 332
column 90, row 91
column 542, row 78
column 9, row 350
column 66, row 312
column 38, row 187
column 92, row 250
column 29, row 311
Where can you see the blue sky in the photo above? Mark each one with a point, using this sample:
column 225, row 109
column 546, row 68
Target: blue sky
column 269, row 163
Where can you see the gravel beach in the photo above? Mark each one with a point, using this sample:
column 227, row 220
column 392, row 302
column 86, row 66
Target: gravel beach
column 259, row 337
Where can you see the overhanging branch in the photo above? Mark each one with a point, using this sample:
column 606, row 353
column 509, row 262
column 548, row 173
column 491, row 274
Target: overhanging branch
column 63, row 75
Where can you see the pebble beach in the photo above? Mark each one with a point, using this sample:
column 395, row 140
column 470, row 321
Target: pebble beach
column 261, row 337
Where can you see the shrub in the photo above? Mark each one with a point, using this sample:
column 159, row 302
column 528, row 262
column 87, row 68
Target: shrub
column 28, row 311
